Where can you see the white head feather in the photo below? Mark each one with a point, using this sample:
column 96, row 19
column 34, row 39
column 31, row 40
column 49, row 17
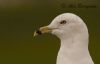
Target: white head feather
column 73, row 34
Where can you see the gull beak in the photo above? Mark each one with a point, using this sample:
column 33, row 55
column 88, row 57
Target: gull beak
column 42, row 30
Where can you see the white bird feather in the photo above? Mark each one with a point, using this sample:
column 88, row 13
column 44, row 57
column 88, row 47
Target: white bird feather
column 73, row 33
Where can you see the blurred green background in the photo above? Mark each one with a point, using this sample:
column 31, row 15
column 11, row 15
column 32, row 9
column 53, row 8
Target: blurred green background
column 19, row 19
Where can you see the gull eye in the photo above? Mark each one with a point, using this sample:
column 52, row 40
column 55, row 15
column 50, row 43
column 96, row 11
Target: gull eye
column 63, row 22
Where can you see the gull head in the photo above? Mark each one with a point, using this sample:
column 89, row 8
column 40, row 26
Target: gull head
column 65, row 25
column 73, row 33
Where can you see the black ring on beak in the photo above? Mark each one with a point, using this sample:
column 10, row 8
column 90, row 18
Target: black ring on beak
column 39, row 32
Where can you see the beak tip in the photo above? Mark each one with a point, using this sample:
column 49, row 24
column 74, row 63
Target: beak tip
column 35, row 34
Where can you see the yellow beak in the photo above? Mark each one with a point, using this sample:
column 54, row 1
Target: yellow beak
column 42, row 30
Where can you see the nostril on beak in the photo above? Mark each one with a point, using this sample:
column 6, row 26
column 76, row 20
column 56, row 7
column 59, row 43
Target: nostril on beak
column 39, row 32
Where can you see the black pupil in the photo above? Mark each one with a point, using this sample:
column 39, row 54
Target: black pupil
column 63, row 22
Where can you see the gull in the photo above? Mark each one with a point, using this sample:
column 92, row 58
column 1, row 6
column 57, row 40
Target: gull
column 74, row 37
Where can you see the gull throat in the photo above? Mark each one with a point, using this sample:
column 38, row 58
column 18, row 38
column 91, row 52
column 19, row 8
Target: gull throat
column 73, row 51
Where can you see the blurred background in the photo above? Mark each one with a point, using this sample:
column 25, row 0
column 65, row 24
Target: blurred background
column 19, row 19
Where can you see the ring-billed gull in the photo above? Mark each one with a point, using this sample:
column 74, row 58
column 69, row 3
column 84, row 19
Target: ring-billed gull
column 73, row 33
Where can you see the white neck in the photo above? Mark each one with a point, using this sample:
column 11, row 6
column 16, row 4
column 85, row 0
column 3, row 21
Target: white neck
column 74, row 50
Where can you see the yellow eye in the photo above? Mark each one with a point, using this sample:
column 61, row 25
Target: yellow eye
column 63, row 22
